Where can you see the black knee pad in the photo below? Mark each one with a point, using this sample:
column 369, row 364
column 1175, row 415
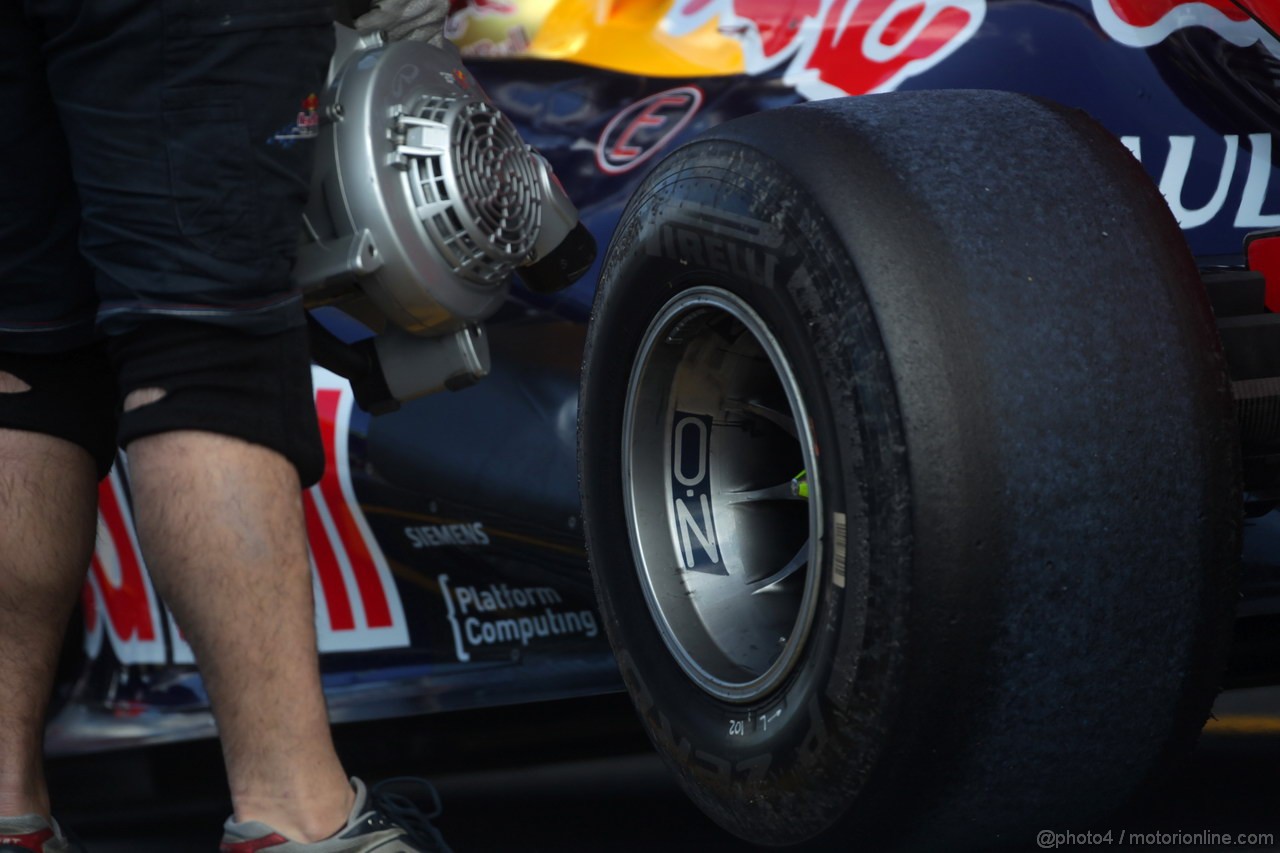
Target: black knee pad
column 218, row 379
column 72, row 397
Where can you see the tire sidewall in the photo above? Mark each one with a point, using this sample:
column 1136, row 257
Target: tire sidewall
column 1067, row 528
column 751, row 233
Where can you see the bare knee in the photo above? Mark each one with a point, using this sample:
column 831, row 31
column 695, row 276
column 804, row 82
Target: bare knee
column 143, row 397
column 10, row 384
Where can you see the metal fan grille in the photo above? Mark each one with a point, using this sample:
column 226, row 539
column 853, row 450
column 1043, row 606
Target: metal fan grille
column 488, row 223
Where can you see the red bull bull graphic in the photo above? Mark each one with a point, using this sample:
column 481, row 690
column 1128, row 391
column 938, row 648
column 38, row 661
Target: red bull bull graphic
column 1144, row 23
column 831, row 48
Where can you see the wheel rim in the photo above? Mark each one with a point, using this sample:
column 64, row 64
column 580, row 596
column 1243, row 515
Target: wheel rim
column 725, row 528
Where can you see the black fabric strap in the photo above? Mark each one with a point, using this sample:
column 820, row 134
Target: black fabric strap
column 349, row 10
column 72, row 397
column 217, row 379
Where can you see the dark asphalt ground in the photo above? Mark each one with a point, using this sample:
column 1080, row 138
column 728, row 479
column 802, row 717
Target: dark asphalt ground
column 577, row 776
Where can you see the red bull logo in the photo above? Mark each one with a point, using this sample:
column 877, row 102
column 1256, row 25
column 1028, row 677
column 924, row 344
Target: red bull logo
column 830, row 48
column 1144, row 23
column 308, row 117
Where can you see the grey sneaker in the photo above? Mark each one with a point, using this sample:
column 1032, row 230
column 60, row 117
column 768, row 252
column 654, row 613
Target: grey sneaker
column 30, row 833
column 383, row 819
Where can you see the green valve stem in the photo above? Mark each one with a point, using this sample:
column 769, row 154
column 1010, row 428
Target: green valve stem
column 800, row 485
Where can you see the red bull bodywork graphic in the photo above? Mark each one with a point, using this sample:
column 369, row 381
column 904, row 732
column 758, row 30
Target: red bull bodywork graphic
column 120, row 604
column 827, row 48
column 1144, row 23
column 357, row 604
column 1266, row 11
column 831, row 48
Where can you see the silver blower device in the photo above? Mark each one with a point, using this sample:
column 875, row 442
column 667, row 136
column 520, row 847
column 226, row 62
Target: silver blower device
column 424, row 203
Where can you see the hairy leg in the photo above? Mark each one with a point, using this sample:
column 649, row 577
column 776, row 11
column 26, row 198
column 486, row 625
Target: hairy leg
column 48, row 508
column 220, row 523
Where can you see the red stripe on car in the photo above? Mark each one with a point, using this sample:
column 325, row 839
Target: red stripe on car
column 327, row 570
column 127, row 605
column 377, row 610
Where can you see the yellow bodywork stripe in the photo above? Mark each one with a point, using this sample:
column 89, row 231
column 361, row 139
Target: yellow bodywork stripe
column 628, row 36
column 1243, row 724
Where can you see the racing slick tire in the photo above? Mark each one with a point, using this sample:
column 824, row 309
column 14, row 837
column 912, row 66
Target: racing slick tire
column 909, row 472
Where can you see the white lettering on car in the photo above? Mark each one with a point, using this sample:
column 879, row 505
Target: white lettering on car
column 498, row 615
column 455, row 535
column 1181, row 166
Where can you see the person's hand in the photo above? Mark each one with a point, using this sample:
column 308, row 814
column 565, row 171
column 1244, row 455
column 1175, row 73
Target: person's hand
column 416, row 20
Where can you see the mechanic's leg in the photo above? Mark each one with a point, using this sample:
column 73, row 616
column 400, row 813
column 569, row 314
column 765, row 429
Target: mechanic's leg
column 47, row 523
column 220, row 428
column 57, row 439
column 47, row 483
column 220, row 521
column 192, row 160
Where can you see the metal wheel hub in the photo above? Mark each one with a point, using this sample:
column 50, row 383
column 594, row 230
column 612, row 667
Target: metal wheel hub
column 725, row 525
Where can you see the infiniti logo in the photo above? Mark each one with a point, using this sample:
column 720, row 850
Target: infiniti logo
column 644, row 128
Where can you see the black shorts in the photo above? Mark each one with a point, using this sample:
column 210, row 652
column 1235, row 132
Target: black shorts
column 154, row 162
